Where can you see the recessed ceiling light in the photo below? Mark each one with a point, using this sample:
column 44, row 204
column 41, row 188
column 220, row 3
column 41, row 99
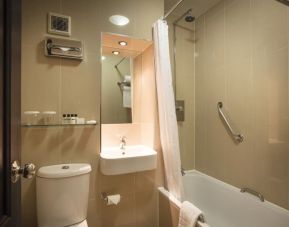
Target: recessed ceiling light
column 116, row 52
column 103, row 57
column 119, row 20
column 122, row 43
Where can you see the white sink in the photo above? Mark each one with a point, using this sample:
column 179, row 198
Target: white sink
column 114, row 161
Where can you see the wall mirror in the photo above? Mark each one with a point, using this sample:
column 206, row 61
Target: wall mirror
column 117, row 77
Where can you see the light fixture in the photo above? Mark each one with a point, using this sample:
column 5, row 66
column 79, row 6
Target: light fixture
column 119, row 20
column 103, row 58
column 122, row 43
column 116, row 52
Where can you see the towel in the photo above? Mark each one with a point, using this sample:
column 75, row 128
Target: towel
column 189, row 215
column 127, row 78
column 126, row 96
column 203, row 224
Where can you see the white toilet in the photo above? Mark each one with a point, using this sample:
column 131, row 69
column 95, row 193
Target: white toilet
column 62, row 195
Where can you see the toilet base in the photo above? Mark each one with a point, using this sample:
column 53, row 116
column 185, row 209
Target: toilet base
column 81, row 224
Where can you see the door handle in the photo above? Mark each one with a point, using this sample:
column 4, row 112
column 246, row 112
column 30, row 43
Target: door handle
column 28, row 171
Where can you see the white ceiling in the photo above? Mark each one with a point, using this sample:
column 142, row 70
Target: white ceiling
column 199, row 7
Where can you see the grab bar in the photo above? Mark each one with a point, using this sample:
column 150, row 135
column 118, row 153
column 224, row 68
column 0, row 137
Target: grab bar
column 255, row 193
column 238, row 137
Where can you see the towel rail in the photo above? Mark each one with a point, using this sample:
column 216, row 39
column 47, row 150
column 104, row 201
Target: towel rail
column 238, row 137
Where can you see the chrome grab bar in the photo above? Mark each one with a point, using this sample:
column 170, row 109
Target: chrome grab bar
column 252, row 192
column 238, row 137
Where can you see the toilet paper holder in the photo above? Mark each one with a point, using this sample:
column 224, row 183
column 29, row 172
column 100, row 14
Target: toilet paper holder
column 110, row 199
column 104, row 195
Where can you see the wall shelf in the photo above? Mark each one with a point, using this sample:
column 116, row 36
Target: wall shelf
column 58, row 125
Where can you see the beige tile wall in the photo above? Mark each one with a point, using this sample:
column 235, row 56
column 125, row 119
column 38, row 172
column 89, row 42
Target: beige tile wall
column 168, row 212
column 73, row 86
column 242, row 60
column 184, row 85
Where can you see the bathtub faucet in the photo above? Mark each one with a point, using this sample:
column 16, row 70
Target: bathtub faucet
column 252, row 192
column 183, row 171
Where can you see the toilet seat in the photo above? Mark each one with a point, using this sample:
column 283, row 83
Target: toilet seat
column 81, row 224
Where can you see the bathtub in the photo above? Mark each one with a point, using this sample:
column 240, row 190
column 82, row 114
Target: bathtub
column 223, row 205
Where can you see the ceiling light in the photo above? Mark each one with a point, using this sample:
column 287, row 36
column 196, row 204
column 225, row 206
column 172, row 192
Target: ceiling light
column 119, row 20
column 122, row 43
column 116, row 52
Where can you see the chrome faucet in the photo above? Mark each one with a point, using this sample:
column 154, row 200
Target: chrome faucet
column 183, row 171
column 255, row 193
column 122, row 142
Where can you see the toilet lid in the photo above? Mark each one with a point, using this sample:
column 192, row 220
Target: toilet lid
column 81, row 224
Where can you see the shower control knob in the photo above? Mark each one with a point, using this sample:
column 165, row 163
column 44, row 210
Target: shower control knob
column 28, row 171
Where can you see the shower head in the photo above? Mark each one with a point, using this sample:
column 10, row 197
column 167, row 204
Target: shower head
column 189, row 17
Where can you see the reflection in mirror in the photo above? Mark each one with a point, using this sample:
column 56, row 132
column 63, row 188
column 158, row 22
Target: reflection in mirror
column 118, row 53
column 116, row 89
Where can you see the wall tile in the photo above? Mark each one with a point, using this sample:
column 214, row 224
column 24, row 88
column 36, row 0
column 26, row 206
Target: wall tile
column 252, row 81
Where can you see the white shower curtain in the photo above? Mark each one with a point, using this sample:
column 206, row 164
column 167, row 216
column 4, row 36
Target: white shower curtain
column 166, row 107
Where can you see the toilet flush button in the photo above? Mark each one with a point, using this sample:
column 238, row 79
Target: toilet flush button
column 65, row 167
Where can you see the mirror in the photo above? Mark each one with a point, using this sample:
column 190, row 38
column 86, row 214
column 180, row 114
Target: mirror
column 117, row 87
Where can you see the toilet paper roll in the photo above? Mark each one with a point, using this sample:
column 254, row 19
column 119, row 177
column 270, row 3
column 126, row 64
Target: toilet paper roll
column 113, row 199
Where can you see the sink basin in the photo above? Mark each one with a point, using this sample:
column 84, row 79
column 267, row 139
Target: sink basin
column 114, row 161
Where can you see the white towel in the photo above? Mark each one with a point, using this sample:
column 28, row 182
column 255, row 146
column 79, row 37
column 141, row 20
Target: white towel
column 203, row 224
column 189, row 215
column 127, row 78
column 126, row 96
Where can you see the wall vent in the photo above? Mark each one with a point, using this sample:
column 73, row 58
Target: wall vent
column 59, row 24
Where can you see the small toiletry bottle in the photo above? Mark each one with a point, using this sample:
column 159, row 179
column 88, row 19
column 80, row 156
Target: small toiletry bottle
column 68, row 118
column 73, row 119
column 64, row 119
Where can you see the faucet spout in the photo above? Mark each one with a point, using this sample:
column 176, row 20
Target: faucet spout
column 122, row 142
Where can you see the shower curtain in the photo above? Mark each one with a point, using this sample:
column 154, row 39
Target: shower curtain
column 166, row 107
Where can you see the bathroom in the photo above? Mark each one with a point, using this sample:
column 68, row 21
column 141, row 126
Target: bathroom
column 227, row 61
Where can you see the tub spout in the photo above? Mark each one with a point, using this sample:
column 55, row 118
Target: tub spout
column 255, row 193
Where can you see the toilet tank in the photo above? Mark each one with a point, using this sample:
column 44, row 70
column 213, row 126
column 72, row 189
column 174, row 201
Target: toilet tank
column 62, row 194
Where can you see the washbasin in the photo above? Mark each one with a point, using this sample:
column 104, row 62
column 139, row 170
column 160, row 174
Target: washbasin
column 131, row 159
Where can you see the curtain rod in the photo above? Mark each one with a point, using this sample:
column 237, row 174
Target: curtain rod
column 179, row 2
column 172, row 9
column 284, row 2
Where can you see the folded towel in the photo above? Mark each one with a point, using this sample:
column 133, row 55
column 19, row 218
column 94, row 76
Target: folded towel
column 126, row 96
column 202, row 224
column 189, row 215
column 127, row 78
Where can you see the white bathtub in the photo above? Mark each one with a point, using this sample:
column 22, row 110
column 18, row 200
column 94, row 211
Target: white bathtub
column 225, row 206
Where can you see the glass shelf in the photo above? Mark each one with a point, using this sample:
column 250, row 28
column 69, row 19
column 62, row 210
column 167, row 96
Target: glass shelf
column 57, row 125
